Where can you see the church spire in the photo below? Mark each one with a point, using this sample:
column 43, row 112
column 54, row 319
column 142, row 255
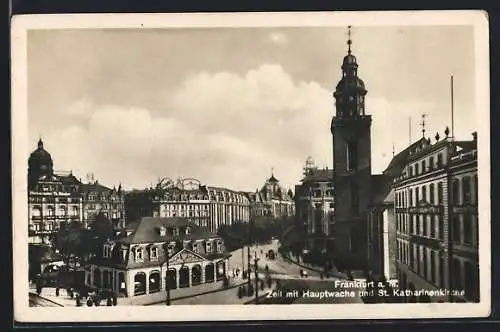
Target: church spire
column 40, row 142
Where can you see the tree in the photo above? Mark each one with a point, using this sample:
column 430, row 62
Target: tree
column 72, row 241
column 101, row 230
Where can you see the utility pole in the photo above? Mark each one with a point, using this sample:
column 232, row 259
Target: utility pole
column 248, row 251
column 256, row 279
column 167, row 285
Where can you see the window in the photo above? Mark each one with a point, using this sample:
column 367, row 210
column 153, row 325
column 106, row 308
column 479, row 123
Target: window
column 432, row 267
column 208, row 247
column 423, row 166
column 456, row 191
column 440, row 193
column 175, row 231
column 195, row 247
column 437, row 218
column 354, row 197
column 154, row 253
column 424, row 225
column 332, row 205
column 351, row 156
column 466, row 190
column 50, row 210
column 417, row 196
column 410, row 171
column 410, row 196
column 424, row 193
column 456, row 229
column 431, row 163
column 431, row 194
column 425, row 264
column 138, row 254
column 439, row 161
column 432, row 224
column 416, row 169
column 467, row 223
column 475, row 189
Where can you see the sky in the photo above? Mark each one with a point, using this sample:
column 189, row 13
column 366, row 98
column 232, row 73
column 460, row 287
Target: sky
column 228, row 106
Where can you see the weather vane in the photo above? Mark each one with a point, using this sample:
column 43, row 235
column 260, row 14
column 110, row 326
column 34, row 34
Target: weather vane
column 423, row 124
column 349, row 41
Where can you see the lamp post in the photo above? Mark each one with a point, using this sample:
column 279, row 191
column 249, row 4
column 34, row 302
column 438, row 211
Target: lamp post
column 167, row 285
column 255, row 260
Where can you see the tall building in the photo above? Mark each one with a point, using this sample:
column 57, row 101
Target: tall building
column 57, row 197
column 272, row 200
column 206, row 206
column 314, row 205
column 351, row 128
column 53, row 198
column 381, row 226
column 436, row 201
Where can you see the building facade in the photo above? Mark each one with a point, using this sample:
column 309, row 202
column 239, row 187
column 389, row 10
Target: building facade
column 351, row 132
column 52, row 198
column 206, row 206
column 98, row 198
column 381, row 226
column 57, row 197
column 160, row 254
column 272, row 200
column 437, row 220
column 314, row 205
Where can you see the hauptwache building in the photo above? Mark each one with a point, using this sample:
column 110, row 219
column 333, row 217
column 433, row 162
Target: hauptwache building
column 423, row 229
column 206, row 206
column 159, row 254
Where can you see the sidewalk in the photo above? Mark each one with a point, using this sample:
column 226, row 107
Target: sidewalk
column 314, row 268
column 160, row 297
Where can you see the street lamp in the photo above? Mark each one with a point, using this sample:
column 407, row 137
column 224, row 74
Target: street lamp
column 255, row 260
column 167, row 285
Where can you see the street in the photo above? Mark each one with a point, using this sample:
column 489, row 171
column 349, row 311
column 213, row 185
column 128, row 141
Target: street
column 37, row 301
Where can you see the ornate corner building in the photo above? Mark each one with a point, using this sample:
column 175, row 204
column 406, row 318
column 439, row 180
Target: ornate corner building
column 314, row 200
column 59, row 197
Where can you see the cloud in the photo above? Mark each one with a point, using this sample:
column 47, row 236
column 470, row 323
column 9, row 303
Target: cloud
column 277, row 38
column 224, row 129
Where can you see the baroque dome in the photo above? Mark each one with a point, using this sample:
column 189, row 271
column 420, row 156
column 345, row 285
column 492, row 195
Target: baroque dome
column 40, row 160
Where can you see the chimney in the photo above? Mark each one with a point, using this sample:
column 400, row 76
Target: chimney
column 163, row 231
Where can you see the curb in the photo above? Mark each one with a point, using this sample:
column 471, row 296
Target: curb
column 46, row 299
column 198, row 294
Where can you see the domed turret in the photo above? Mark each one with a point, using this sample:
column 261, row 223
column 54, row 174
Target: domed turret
column 39, row 164
column 350, row 91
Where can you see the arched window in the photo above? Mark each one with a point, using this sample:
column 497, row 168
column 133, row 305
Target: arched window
column 154, row 282
column 431, row 194
column 36, row 211
column 456, row 191
column 50, row 210
column 196, row 275
column 97, row 278
column 466, row 190
column 140, row 283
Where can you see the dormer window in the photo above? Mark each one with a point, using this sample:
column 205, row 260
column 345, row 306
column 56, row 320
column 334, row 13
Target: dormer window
column 170, row 248
column 176, row 231
column 138, row 255
column 208, row 247
column 154, row 253
column 188, row 230
column 195, row 247
column 163, row 231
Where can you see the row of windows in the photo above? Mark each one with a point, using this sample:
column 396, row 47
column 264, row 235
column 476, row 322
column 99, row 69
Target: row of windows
column 427, row 263
column 185, row 207
column 206, row 247
column 430, row 265
column 464, row 229
column 51, row 211
column 427, row 225
column 57, row 188
column 426, row 165
column 53, row 200
column 318, row 185
column 432, row 194
column 462, row 190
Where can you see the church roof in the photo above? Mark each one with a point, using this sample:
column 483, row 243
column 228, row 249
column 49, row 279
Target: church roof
column 272, row 179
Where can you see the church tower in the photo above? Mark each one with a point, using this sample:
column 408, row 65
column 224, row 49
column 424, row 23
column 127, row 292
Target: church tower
column 350, row 128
